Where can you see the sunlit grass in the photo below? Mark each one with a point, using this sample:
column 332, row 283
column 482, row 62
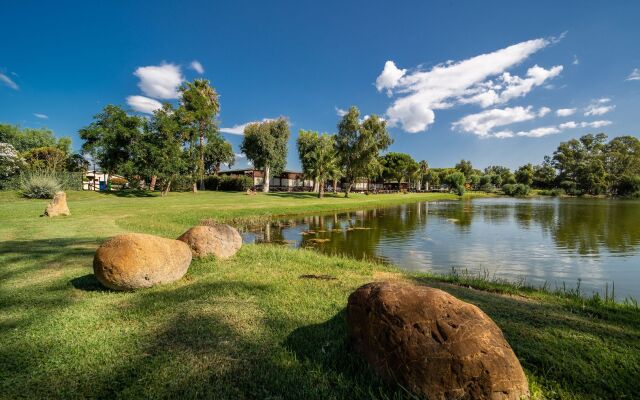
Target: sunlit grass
column 251, row 326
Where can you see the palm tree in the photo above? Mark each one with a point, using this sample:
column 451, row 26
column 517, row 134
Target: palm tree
column 200, row 100
column 424, row 168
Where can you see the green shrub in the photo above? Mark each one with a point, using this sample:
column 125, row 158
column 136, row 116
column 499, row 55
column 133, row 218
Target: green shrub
column 570, row 188
column 39, row 185
column 629, row 186
column 456, row 181
column 516, row 190
column 231, row 183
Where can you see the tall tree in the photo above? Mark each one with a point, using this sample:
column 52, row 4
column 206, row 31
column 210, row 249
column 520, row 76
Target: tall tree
column 398, row 166
column 306, row 141
column 265, row 144
column 111, row 137
column 162, row 152
column 200, row 101
column 50, row 159
column 216, row 153
column 524, row 174
column 319, row 158
column 465, row 167
column 424, row 169
column 358, row 145
column 622, row 155
column 581, row 161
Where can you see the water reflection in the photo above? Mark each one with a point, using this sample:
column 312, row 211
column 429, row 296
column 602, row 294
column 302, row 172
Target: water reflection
column 543, row 240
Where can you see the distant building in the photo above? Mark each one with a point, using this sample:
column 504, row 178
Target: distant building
column 287, row 181
column 96, row 180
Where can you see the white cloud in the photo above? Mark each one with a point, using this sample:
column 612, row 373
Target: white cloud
column 143, row 104
column 576, row 60
column 41, row 116
column 389, row 77
column 239, row 129
column 634, row 75
column 8, row 81
column 240, row 155
column 160, row 81
column 341, row 112
column 599, row 107
column 421, row 92
column 196, row 66
column 539, row 132
column 544, row 111
column 565, row 112
column 483, row 123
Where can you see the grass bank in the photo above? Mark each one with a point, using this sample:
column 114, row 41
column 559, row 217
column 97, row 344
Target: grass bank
column 250, row 327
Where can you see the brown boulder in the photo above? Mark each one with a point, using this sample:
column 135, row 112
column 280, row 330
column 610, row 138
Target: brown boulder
column 135, row 260
column 220, row 240
column 58, row 205
column 432, row 343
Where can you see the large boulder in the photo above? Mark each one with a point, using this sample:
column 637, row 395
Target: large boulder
column 432, row 343
column 58, row 205
column 135, row 260
column 220, row 240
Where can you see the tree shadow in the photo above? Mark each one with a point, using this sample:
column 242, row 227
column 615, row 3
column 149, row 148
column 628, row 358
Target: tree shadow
column 130, row 193
column 301, row 195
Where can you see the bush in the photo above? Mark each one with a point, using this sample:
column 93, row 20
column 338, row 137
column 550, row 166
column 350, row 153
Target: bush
column 456, row 181
column 517, row 189
column 629, row 186
column 570, row 188
column 228, row 183
column 487, row 187
column 39, row 185
column 553, row 192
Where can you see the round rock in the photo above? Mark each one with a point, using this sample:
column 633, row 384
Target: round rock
column 135, row 260
column 432, row 343
column 220, row 240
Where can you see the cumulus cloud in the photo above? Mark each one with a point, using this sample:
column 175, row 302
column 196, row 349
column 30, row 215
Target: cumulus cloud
column 551, row 130
column 196, row 66
column 41, row 116
column 143, row 104
column 240, row 155
column 239, row 129
column 8, row 82
column 599, row 107
column 634, row 75
column 419, row 93
column 565, row 112
column 389, row 77
column 160, row 81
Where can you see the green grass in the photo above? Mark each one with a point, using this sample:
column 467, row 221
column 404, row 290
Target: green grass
column 250, row 327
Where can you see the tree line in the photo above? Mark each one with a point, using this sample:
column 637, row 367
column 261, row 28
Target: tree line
column 182, row 144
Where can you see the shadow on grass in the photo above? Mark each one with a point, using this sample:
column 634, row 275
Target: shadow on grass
column 573, row 350
column 129, row 193
column 301, row 195
column 88, row 283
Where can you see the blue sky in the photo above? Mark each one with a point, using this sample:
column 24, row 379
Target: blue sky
column 494, row 82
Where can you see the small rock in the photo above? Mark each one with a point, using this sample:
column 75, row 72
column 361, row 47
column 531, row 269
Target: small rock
column 135, row 260
column 220, row 240
column 432, row 343
column 58, row 206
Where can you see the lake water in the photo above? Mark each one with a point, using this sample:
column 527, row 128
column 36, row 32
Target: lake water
column 539, row 240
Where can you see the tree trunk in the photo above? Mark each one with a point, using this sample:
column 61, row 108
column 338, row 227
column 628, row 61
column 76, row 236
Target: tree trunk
column 265, row 180
column 321, row 190
column 315, row 185
column 166, row 190
column 152, row 184
column 347, row 189
column 195, row 187
column 201, row 168
column 335, row 186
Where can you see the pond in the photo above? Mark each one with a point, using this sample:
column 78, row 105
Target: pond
column 557, row 241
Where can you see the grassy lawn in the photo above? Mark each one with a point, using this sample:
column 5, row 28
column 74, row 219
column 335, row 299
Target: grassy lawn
column 249, row 327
